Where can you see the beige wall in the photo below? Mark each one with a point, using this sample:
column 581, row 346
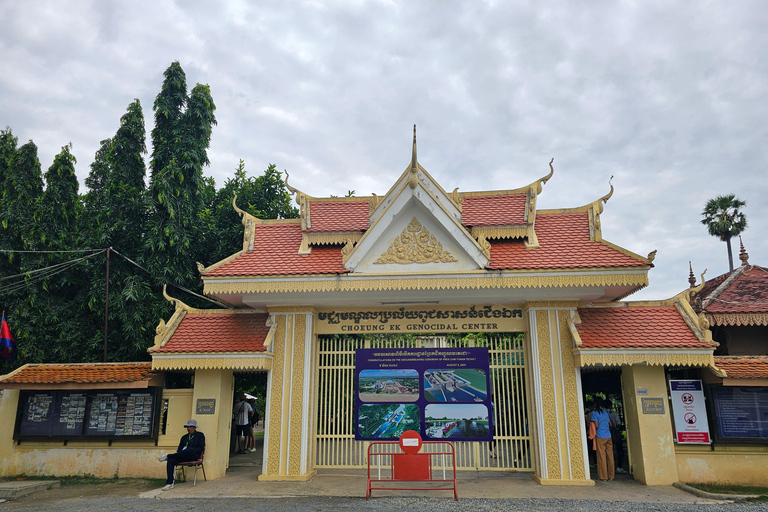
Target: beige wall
column 650, row 436
column 742, row 465
column 124, row 459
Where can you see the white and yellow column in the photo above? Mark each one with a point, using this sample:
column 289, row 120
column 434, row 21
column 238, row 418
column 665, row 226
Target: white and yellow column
column 289, row 417
column 554, row 389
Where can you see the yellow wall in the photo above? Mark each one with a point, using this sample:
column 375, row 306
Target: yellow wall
column 124, row 459
column 742, row 465
column 650, row 436
column 220, row 385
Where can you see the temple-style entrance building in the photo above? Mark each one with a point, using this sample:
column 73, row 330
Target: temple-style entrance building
column 420, row 267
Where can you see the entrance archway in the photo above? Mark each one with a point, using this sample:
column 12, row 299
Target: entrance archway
column 335, row 421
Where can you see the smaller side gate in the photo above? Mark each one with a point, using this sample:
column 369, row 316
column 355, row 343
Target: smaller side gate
column 392, row 465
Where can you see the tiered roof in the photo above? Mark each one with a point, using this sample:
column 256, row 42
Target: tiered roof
column 636, row 327
column 565, row 242
column 45, row 376
column 220, row 332
column 743, row 367
column 739, row 297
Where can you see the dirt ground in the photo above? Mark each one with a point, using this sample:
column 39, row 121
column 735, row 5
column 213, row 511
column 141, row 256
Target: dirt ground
column 126, row 487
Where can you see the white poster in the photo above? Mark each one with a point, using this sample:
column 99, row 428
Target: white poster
column 689, row 411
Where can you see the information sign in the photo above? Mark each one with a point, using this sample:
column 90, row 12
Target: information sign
column 741, row 413
column 690, row 411
column 440, row 393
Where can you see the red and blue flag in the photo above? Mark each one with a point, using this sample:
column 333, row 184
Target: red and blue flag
column 7, row 344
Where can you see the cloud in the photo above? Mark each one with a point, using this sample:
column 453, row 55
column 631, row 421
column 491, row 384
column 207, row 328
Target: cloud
column 666, row 97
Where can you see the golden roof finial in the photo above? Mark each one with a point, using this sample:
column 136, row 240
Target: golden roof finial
column 743, row 256
column 414, row 179
column 691, row 277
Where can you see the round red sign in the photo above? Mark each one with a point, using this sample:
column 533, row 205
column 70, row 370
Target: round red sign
column 410, row 442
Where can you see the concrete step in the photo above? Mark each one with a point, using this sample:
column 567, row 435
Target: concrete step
column 18, row 488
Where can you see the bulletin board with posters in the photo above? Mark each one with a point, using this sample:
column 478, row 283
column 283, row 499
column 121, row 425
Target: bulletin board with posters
column 132, row 414
column 442, row 393
column 740, row 413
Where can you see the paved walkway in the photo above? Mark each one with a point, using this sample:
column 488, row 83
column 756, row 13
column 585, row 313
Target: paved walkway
column 242, row 481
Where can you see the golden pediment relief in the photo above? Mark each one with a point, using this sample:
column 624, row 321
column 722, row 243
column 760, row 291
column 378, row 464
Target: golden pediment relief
column 415, row 245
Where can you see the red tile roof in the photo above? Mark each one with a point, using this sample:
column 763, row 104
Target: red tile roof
column 218, row 332
column 79, row 373
column 743, row 367
column 564, row 243
column 334, row 216
column 507, row 210
column 636, row 327
column 747, row 294
column 275, row 252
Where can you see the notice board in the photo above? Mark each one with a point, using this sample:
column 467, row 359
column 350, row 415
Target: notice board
column 741, row 413
column 88, row 413
column 689, row 411
column 442, row 393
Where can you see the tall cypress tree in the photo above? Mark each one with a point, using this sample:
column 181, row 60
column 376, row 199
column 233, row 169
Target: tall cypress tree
column 180, row 141
column 117, row 208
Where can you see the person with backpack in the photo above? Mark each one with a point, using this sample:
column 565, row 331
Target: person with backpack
column 601, row 418
column 242, row 413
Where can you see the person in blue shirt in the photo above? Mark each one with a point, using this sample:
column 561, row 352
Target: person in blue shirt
column 601, row 417
column 190, row 448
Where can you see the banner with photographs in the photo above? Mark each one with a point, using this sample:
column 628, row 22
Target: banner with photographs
column 442, row 393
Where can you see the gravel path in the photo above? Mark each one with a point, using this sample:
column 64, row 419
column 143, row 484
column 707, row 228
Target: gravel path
column 132, row 504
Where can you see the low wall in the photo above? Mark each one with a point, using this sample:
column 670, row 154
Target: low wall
column 124, row 459
column 731, row 464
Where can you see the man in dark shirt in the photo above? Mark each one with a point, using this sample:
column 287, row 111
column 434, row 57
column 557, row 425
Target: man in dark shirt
column 190, row 448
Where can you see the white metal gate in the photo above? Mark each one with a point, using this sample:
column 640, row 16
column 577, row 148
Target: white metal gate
column 335, row 436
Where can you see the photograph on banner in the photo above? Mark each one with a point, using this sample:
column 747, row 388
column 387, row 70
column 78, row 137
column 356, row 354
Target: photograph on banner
column 438, row 392
column 387, row 421
column 388, row 385
column 465, row 421
column 446, row 385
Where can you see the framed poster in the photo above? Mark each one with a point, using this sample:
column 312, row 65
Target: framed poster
column 690, row 412
column 741, row 413
column 442, row 393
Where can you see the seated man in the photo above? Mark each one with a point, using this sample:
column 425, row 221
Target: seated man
column 190, row 448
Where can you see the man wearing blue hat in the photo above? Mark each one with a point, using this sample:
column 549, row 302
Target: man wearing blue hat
column 190, row 448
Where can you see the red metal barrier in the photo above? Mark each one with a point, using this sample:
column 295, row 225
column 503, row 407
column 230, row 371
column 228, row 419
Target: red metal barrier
column 406, row 464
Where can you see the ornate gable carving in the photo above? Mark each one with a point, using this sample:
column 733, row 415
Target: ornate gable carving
column 415, row 245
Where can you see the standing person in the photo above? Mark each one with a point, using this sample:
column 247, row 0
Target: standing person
column 250, row 443
column 589, row 407
column 242, row 412
column 616, row 438
column 601, row 417
column 190, row 448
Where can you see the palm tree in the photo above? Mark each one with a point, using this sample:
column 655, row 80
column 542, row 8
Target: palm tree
column 724, row 220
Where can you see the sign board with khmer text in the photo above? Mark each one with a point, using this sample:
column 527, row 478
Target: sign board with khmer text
column 421, row 319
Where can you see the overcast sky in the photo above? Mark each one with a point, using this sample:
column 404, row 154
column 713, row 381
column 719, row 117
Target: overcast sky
column 667, row 97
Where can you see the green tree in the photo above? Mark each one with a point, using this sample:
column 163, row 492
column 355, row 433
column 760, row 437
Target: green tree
column 180, row 141
column 117, row 211
column 724, row 219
